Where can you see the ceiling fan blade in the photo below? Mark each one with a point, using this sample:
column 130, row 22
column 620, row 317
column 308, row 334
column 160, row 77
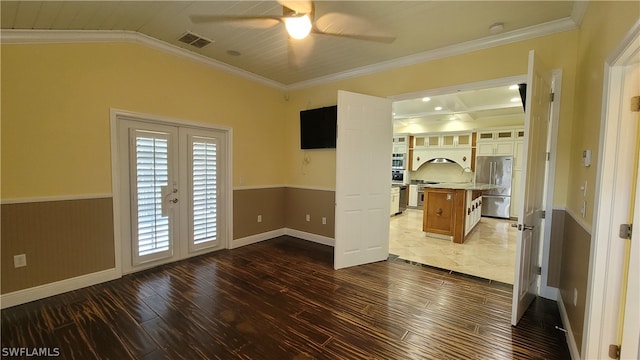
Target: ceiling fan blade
column 338, row 24
column 299, row 6
column 257, row 22
column 299, row 51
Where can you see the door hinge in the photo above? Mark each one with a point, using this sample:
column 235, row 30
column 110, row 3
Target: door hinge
column 548, row 156
column 635, row 104
column 625, row 231
column 614, row 351
column 539, row 270
column 543, row 213
column 552, row 96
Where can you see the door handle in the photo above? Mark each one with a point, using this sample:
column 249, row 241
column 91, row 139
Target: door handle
column 439, row 211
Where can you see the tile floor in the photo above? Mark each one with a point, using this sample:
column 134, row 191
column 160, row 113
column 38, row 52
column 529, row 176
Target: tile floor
column 488, row 252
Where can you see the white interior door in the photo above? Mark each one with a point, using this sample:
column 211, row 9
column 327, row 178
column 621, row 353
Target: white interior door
column 363, row 181
column 537, row 116
column 172, row 181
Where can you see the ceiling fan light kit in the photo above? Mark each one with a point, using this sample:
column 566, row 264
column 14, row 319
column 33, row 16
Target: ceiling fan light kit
column 298, row 27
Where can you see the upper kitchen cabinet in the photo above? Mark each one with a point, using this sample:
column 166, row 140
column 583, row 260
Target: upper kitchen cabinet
column 442, row 140
column 496, row 142
column 400, row 144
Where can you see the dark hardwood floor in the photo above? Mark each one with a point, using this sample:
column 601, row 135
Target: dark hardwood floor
column 281, row 299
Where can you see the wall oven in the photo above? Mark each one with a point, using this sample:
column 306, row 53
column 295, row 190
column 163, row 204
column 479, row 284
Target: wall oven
column 399, row 161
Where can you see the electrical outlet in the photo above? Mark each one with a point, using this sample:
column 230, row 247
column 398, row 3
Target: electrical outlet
column 259, row 218
column 308, row 217
column 324, row 220
column 20, row 260
column 575, row 297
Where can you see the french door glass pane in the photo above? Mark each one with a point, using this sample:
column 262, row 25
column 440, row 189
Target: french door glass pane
column 204, row 190
column 152, row 174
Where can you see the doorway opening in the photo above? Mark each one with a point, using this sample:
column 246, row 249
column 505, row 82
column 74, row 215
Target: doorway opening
column 489, row 250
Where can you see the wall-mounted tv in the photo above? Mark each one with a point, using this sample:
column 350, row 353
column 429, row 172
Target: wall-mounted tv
column 318, row 128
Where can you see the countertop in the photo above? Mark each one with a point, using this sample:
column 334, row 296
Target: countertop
column 461, row 186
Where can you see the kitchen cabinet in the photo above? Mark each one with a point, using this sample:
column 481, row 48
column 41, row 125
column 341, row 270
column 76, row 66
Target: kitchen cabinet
column 497, row 142
column 400, row 144
column 473, row 203
column 395, row 201
column 442, row 140
column 443, row 214
column 413, row 195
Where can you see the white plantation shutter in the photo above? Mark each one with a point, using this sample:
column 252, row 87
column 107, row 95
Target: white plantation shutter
column 203, row 191
column 151, row 176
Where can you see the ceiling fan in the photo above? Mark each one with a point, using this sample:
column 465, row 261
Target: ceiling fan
column 299, row 20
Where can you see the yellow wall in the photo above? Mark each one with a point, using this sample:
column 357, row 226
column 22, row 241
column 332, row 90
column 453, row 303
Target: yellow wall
column 604, row 26
column 558, row 51
column 56, row 100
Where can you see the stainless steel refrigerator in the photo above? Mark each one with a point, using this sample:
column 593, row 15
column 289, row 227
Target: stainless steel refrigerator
column 495, row 170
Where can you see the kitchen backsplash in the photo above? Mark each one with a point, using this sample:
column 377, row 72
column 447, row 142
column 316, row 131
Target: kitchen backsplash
column 441, row 173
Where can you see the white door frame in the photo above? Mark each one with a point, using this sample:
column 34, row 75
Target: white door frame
column 119, row 198
column 546, row 291
column 614, row 182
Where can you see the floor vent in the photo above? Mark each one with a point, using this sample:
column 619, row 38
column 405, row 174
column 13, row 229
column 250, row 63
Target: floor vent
column 194, row 40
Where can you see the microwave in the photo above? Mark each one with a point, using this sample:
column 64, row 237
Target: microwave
column 399, row 161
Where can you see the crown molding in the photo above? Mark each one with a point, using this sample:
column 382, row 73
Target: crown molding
column 528, row 33
column 79, row 36
column 12, row 36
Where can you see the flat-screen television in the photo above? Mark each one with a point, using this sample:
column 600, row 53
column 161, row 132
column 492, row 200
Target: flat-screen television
column 318, row 128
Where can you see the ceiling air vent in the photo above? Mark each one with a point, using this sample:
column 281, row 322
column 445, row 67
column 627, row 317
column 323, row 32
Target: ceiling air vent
column 194, row 40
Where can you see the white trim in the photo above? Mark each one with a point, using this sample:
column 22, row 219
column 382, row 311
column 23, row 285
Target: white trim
column 577, row 218
column 571, row 341
column 14, row 36
column 58, row 287
column 320, row 239
column 613, row 182
column 304, row 187
column 531, row 32
column 578, row 12
column 252, row 239
column 55, row 198
column 545, row 290
column 258, row 187
column 115, row 115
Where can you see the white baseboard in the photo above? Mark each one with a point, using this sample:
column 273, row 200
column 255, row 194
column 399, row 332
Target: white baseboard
column 58, row 287
column 252, row 239
column 78, row 282
column 571, row 341
column 310, row 237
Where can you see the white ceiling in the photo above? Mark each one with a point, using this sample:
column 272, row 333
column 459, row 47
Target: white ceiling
column 419, row 27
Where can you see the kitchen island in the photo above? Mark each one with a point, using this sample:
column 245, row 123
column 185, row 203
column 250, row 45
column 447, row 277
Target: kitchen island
column 452, row 210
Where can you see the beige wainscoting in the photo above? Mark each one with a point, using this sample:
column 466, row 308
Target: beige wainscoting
column 61, row 240
column 283, row 207
column 574, row 273
column 318, row 204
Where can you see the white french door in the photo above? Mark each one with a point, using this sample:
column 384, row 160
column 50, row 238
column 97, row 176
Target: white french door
column 172, row 181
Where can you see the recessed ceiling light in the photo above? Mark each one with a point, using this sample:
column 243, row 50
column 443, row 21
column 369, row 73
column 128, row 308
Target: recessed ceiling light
column 438, row 108
column 514, row 87
column 515, row 99
column 453, row 118
column 426, row 99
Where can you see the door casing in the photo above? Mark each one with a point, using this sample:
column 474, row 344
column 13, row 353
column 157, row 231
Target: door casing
column 120, row 197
